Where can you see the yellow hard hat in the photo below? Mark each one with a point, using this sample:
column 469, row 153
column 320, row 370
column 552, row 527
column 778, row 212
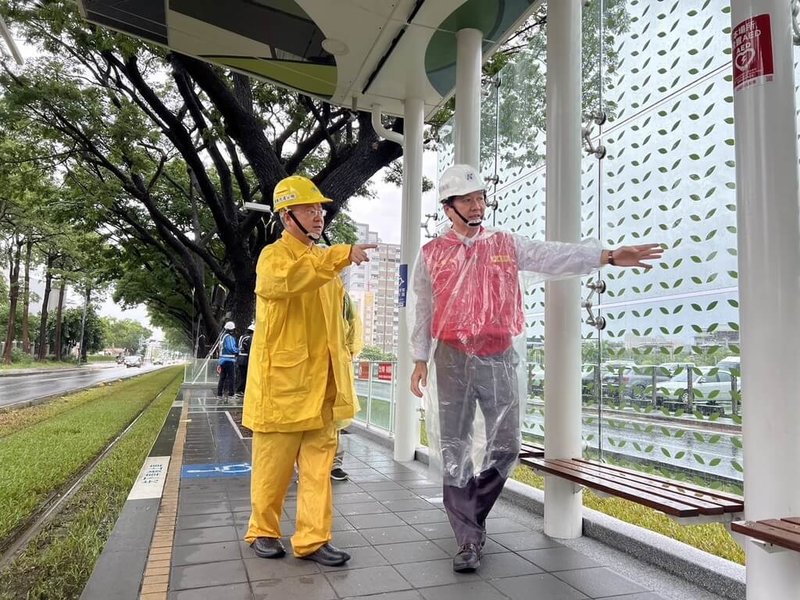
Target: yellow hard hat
column 295, row 190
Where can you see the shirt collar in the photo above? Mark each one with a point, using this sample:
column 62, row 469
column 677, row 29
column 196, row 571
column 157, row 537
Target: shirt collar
column 295, row 245
column 467, row 241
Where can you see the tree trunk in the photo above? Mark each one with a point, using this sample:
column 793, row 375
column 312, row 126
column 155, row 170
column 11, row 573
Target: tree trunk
column 26, row 299
column 84, row 340
column 57, row 347
column 242, row 306
column 48, row 284
column 13, row 296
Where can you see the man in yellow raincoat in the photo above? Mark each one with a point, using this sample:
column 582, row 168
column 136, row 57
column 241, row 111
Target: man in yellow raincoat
column 300, row 380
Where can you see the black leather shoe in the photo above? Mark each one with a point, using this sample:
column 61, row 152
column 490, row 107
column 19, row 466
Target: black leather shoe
column 328, row 555
column 467, row 559
column 266, row 547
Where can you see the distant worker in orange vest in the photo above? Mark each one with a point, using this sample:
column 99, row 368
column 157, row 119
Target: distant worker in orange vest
column 467, row 316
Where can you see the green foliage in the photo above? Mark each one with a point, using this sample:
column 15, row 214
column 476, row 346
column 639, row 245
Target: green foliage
column 39, row 459
column 521, row 68
column 342, row 229
column 124, row 333
column 59, row 560
column 162, row 188
column 93, row 335
column 375, row 353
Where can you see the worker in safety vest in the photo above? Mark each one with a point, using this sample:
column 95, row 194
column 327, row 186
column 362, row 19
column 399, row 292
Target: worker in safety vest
column 227, row 359
column 467, row 315
column 243, row 360
column 301, row 382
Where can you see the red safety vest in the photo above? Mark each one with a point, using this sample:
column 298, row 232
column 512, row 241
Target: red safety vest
column 477, row 302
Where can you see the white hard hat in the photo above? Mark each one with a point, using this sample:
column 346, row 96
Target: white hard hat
column 230, row 325
column 459, row 180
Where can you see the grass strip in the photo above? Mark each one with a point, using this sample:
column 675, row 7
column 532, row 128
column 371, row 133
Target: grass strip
column 59, row 560
column 20, row 418
column 710, row 537
column 30, row 363
column 40, row 459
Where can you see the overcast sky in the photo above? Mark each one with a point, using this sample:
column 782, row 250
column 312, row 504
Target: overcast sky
column 383, row 214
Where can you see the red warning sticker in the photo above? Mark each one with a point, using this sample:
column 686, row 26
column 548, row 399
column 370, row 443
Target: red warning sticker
column 752, row 52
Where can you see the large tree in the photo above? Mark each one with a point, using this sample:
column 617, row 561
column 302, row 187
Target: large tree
column 124, row 333
column 160, row 151
column 163, row 150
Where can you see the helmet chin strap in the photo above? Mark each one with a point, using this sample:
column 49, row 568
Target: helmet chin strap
column 473, row 223
column 312, row 236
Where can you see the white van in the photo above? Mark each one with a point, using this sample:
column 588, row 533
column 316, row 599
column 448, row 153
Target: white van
column 732, row 364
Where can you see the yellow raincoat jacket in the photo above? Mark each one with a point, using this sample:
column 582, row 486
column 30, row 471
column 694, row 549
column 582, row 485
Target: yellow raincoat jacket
column 299, row 332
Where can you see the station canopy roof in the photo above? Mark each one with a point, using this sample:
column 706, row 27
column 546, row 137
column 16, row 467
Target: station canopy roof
column 354, row 53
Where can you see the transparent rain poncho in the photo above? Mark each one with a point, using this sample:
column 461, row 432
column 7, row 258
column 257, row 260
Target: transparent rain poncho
column 467, row 321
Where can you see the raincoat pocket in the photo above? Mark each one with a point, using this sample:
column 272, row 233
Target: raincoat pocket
column 289, row 373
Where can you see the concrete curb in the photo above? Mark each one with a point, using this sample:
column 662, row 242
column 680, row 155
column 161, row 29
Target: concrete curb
column 21, row 372
column 715, row 574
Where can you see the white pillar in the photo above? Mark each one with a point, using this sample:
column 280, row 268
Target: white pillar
column 468, row 97
column 562, row 316
column 406, row 418
column 769, row 281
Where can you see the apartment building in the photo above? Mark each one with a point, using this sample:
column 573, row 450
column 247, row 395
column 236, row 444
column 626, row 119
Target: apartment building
column 373, row 286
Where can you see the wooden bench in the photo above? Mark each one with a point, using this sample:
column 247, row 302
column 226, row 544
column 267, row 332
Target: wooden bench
column 784, row 533
column 682, row 501
column 530, row 450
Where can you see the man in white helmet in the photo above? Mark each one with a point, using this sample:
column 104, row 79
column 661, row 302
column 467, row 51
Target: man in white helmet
column 468, row 313
column 227, row 361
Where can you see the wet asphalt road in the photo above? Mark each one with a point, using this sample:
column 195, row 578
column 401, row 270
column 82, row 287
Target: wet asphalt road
column 21, row 389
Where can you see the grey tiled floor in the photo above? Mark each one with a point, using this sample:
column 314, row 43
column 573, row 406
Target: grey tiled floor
column 389, row 516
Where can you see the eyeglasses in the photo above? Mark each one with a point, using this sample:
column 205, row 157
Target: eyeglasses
column 312, row 212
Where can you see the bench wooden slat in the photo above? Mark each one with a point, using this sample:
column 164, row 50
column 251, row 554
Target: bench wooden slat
column 682, row 488
column 674, row 508
column 733, row 502
column 528, row 449
column 762, row 530
column 785, row 524
column 598, row 470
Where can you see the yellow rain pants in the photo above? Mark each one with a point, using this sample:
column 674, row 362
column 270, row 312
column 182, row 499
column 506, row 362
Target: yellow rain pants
column 273, row 459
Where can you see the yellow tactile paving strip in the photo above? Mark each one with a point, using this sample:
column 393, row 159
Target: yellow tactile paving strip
column 156, row 573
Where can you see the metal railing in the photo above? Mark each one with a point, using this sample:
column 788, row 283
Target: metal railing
column 375, row 383
column 376, row 387
column 200, row 371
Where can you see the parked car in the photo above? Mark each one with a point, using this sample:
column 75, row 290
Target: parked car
column 535, row 378
column 133, row 361
column 635, row 381
column 732, row 364
column 671, row 369
column 710, row 384
column 158, row 361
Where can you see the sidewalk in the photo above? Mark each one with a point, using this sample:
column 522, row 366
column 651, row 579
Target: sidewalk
column 388, row 516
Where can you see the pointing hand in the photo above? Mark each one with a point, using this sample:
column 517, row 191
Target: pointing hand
column 358, row 253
